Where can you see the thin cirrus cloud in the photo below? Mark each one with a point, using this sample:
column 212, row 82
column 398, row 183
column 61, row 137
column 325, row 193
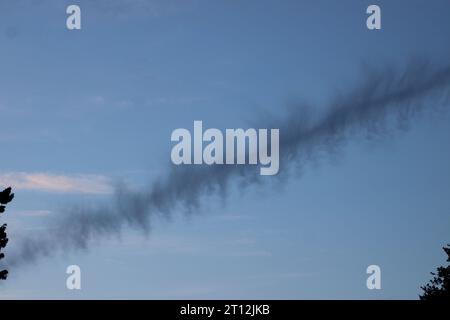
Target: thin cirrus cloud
column 33, row 213
column 54, row 183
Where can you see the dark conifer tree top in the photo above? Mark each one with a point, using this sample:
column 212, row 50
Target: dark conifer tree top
column 439, row 287
column 5, row 197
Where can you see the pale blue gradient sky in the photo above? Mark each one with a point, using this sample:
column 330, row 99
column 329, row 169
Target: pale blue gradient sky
column 103, row 101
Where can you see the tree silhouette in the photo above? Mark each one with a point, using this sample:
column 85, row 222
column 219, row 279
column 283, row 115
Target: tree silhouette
column 439, row 287
column 5, row 197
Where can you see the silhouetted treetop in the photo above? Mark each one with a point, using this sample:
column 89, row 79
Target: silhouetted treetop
column 439, row 287
column 5, row 197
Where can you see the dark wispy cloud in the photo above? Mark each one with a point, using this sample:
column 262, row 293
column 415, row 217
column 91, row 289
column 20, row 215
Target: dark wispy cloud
column 387, row 99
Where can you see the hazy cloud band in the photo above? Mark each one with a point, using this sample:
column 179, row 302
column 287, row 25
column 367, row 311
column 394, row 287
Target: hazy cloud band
column 387, row 98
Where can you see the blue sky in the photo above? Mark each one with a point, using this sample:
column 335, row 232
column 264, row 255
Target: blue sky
column 82, row 108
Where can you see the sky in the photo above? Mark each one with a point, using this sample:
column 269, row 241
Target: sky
column 81, row 110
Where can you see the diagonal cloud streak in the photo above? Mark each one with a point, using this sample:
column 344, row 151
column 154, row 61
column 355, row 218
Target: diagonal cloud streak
column 387, row 99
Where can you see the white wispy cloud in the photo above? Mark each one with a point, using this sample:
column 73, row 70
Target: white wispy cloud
column 32, row 213
column 47, row 182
